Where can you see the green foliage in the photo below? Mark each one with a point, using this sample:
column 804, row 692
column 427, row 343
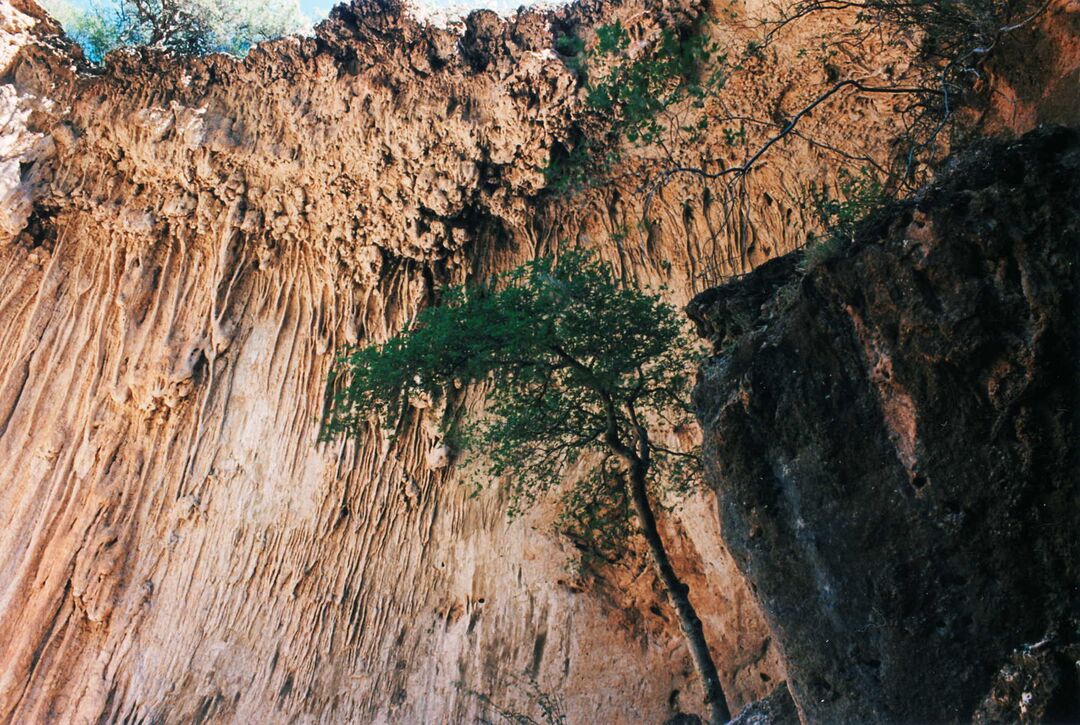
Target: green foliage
column 569, row 45
column 189, row 27
column 735, row 136
column 635, row 92
column 859, row 195
column 820, row 250
column 596, row 514
column 572, row 359
column 572, row 50
column 638, row 89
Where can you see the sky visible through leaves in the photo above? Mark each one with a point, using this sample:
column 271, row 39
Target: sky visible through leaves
column 317, row 10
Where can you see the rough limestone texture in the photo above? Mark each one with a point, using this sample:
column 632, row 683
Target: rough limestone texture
column 893, row 440
column 184, row 243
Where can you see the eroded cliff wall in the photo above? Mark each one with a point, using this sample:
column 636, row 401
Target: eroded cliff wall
column 183, row 245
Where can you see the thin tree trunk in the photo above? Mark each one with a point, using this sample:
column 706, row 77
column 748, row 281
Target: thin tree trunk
column 679, row 593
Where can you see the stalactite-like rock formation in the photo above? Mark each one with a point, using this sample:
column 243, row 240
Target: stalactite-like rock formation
column 183, row 245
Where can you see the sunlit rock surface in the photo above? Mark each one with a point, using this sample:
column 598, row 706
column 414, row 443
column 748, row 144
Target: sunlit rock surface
column 183, row 246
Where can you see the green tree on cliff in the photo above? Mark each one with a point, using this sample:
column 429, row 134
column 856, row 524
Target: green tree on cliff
column 573, row 363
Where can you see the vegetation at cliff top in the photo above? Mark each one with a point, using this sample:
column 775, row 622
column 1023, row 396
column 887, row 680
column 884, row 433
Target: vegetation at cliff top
column 573, row 362
column 643, row 93
column 840, row 212
column 188, row 27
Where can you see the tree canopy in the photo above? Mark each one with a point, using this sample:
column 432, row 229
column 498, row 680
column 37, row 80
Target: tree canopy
column 190, row 27
column 574, row 360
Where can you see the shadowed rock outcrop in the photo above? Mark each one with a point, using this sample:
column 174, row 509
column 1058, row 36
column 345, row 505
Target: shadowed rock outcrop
column 893, row 440
column 186, row 242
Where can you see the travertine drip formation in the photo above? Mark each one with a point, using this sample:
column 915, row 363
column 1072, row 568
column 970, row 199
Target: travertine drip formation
column 183, row 245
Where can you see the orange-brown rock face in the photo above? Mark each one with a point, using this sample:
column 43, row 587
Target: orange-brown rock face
column 184, row 244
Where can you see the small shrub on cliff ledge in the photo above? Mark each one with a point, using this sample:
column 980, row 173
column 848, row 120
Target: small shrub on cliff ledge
column 859, row 196
column 573, row 362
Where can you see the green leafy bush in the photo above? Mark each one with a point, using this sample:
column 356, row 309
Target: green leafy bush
column 633, row 92
column 840, row 215
column 638, row 89
column 189, row 27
